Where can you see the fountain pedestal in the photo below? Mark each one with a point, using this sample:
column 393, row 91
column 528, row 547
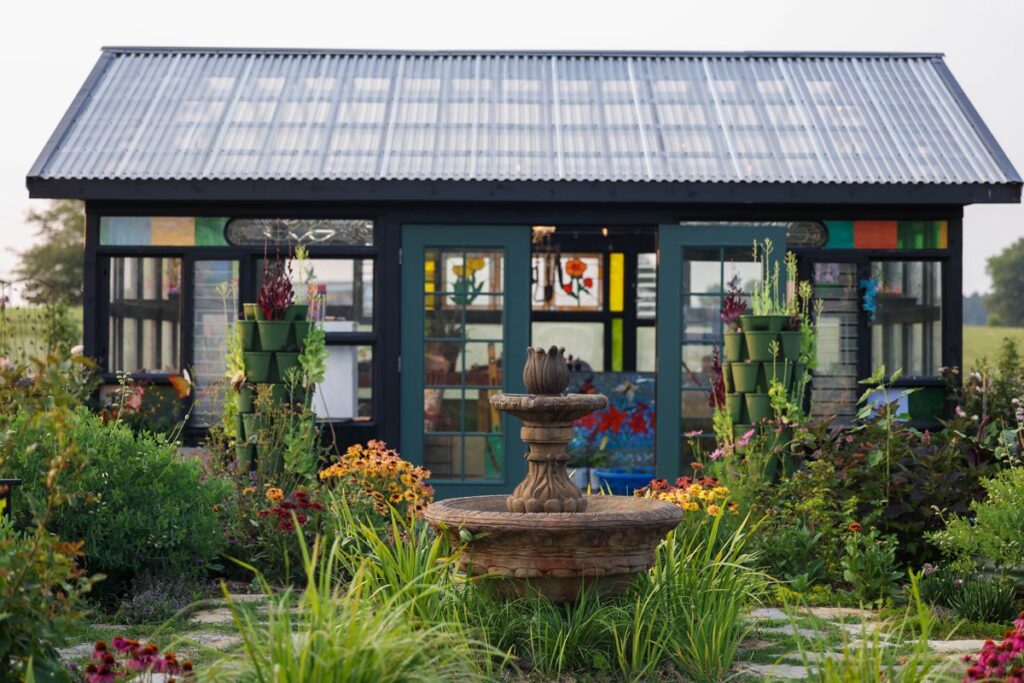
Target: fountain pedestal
column 547, row 537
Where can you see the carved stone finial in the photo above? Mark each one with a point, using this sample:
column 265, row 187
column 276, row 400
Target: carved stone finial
column 546, row 372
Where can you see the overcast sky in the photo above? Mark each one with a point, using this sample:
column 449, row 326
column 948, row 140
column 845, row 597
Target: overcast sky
column 48, row 47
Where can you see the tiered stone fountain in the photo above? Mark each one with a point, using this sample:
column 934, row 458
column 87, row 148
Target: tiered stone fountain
column 547, row 537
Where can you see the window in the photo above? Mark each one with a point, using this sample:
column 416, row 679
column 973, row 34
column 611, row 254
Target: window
column 296, row 231
column 567, row 282
column 834, row 389
column 904, row 304
column 346, row 287
column 215, row 301
column 145, row 315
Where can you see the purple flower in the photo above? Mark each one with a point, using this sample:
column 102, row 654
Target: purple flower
column 694, row 434
column 716, row 454
column 745, row 439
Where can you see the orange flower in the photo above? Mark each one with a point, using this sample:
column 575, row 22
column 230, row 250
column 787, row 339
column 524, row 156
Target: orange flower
column 575, row 267
column 274, row 494
column 854, row 527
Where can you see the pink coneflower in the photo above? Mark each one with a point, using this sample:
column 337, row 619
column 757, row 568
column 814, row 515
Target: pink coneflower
column 745, row 439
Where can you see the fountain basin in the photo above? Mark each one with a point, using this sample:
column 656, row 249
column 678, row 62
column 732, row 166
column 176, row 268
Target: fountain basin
column 555, row 553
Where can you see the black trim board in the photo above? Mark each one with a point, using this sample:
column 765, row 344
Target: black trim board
column 540, row 191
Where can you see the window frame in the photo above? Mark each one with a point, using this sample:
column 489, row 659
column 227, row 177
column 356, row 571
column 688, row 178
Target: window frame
column 97, row 272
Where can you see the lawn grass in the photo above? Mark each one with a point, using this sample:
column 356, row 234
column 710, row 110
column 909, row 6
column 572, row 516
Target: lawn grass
column 23, row 331
column 984, row 342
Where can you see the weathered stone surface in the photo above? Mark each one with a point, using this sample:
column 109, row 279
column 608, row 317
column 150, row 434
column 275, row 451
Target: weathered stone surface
column 768, row 613
column 792, row 630
column 612, row 540
column 774, row 671
column 832, row 613
column 219, row 615
column 955, row 646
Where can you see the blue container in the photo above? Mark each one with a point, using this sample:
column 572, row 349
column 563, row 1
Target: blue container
column 622, row 481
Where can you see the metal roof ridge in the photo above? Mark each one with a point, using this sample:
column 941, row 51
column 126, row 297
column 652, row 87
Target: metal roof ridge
column 724, row 54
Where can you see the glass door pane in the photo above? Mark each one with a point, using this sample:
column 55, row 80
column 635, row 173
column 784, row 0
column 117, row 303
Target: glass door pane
column 460, row 325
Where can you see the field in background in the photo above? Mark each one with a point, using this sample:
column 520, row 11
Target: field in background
column 984, row 342
column 22, row 331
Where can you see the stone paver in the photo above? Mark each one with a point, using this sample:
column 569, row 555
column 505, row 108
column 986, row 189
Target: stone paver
column 833, row 613
column 218, row 615
column 868, row 628
column 766, row 613
column 247, row 597
column 814, row 657
column 792, row 630
column 774, row 671
column 955, row 646
column 79, row 651
column 217, row 641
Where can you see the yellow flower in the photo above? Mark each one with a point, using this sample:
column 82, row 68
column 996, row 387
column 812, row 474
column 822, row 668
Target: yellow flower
column 714, row 510
column 248, row 490
column 274, row 494
column 691, row 507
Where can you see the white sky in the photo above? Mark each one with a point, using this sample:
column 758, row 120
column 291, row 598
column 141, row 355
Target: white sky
column 48, row 47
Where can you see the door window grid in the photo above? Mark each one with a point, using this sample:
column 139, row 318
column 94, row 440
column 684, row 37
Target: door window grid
column 463, row 332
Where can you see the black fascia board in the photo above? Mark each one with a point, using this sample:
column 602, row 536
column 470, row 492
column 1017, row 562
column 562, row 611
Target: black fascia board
column 552, row 191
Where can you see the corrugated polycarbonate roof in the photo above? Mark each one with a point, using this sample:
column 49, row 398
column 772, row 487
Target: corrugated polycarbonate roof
column 247, row 114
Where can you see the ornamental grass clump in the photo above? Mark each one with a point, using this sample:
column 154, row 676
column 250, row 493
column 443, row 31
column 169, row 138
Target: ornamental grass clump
column 373, row 478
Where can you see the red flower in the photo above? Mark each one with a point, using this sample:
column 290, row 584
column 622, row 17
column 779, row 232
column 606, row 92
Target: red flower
column 588, row 282
column 567, row 288
column 611, row 420
column 854, row 527
column 637, row 423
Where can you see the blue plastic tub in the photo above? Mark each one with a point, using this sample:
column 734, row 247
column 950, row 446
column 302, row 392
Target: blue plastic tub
column 622, row 481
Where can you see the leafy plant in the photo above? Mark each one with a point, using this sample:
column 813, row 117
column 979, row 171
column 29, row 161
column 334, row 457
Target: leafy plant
column 869, row 566
column 768, row 297
column 313, row 357
column 995, row 534
column 793, row 553
column 985, row 599
column 138, row 506
column 733, row 305
column 157, row 599
column 276, row 293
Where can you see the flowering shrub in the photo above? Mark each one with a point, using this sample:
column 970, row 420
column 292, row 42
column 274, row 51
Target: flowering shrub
column 1002, row 662
column 375, row 476
column 291, row 510
column 691, row 495
column 125, row 659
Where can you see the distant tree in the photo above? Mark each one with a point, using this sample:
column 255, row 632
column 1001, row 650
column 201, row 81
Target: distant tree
column 1006, row 301
column 974, row 309
column 52, row 268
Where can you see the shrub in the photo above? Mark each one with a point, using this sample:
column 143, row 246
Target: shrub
column 142, row 509
column 869, row 565
column 996, row 534
column 157, row 599
column 983, row 599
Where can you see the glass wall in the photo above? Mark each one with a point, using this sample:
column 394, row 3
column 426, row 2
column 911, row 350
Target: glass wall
column 904, row 303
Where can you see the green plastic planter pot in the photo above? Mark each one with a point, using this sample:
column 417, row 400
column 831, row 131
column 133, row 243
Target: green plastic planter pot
column 252, row 311
column 759, row 345
column 755, row 323
column 301, row 329
column 245, row 396
column 744, row 376
column 778, row 370
column 296, row 312
column 759, row 407
column 246, row 330
column 279, row 394
column 734, row 346
column 240, row 429
column 791, row 340
column 799, row 370
column 727, row 378
column 735, row 404
column 776, row 323
column 285, row 361
column 274, row 334
column 244, row 454
column 257, row 366
column 251, row 422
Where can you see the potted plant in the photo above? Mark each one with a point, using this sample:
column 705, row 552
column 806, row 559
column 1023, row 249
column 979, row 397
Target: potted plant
column 733, row 306
column 299, row 310
column 276, row 295
column 767, row 303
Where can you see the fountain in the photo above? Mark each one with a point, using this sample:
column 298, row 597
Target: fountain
column 547, row 537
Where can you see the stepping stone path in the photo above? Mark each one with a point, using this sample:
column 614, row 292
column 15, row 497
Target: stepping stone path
column 830, row 629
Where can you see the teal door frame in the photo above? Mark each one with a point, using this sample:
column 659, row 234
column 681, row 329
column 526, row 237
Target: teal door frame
column 515, row 242
column 673, row 241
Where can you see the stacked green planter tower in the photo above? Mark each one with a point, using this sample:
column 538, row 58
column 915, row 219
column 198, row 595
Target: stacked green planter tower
column 761, row 351
column 270, row 349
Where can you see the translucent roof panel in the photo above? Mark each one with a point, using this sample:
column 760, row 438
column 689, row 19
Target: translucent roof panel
column 193, row 114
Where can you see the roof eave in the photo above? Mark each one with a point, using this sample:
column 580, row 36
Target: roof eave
column 564, row 192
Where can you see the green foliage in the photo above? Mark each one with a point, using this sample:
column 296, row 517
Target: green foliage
column 995, row 535
column 793, row 553
column 141, row 508
column 157, row 599
column 313, row 357
column 981, row 598
column 869, row 566
column 768, row 297
column 344, row 630
column 938, row 585
column 1007, row 271
column 53, row 266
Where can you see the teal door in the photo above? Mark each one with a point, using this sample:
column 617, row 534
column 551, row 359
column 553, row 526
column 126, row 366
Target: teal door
column 696, row 263
column 465, row 321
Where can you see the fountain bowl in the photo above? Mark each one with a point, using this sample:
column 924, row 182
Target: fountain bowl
column 556, row 553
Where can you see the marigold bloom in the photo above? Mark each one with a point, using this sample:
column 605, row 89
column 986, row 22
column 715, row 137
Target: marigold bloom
column 274, row 494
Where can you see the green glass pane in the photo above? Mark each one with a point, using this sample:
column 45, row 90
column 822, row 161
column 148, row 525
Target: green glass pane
column 126, row 231
column 840, row 234
column 210, row 232
column 617, row 345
